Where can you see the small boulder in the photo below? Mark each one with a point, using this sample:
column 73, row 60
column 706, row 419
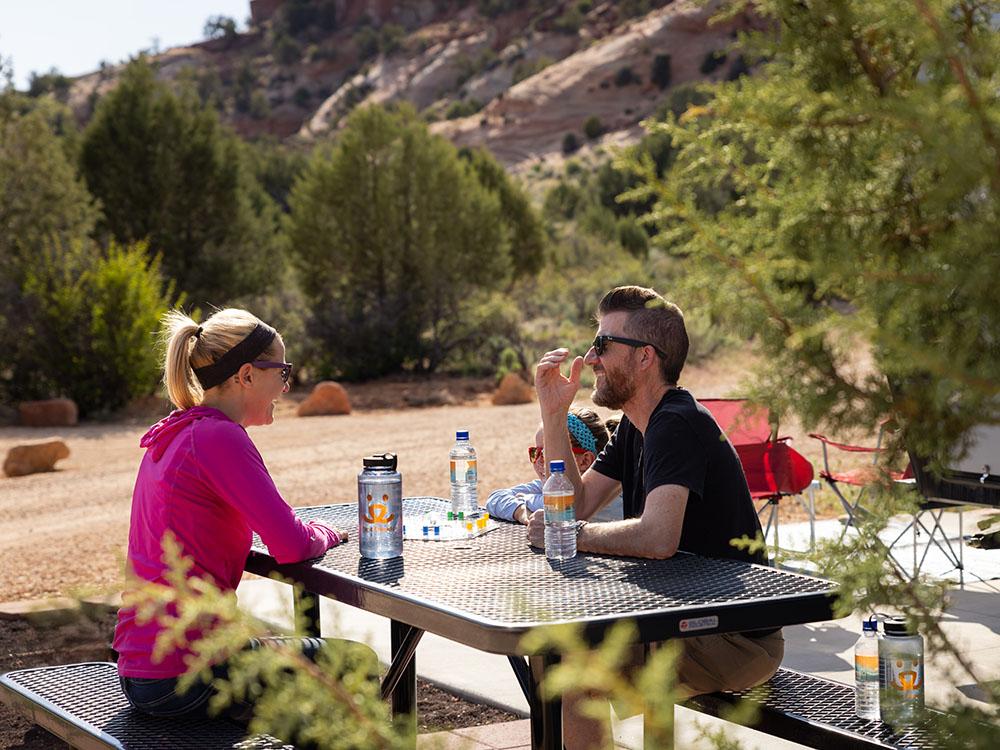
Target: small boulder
column 32, row 458
column 513, row 390
column 53, row 412
column 326, row 398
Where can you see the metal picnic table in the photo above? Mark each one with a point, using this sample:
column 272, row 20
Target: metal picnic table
column 488, row 591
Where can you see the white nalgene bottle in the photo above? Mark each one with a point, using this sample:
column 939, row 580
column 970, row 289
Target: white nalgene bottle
column 560, row 515
column 464, row 475
column 866, row 671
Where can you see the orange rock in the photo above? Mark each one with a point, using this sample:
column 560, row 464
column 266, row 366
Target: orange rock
column 513, row 390
column 54, row 412
column 326, row 398
column 32, row 458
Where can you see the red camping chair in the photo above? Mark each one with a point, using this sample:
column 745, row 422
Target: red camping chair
column 773, row 468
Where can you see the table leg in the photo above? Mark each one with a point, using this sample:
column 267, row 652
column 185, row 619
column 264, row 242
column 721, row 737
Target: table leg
column 546, row 715
column 400, row 682
column 523, row 675
column 306, row 606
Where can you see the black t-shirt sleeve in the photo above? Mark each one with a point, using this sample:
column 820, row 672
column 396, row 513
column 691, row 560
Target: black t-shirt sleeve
column 673, row 455
column 612, row 457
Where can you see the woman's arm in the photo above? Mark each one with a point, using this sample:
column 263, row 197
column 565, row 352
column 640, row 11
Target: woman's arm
column 232, row 466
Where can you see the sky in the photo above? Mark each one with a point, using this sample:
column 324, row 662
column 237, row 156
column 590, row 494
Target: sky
column 75, row 35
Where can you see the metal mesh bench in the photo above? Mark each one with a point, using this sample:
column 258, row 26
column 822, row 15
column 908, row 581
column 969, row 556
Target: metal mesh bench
column 83, row 705
column 817, row 712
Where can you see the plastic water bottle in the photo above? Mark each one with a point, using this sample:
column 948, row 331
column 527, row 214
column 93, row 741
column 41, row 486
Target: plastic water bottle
column 866, row 684
column 901, row 673
column 464, row 475
column 380, row 507
column 560, row 516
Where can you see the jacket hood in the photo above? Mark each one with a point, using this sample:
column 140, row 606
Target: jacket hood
column 159, row 436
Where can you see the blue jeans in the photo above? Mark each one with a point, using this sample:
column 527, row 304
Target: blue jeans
column 159, row 697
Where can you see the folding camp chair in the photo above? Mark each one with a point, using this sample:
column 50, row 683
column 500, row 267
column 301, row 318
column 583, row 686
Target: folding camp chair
column 773, row 468
column 861, row 480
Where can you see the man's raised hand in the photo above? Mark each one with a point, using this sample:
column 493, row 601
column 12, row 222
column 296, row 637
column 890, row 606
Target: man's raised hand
column 556, row 391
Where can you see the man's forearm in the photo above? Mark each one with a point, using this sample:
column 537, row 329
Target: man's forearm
column 629, row 537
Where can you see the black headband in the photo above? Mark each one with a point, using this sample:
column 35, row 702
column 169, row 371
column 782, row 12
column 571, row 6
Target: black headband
column 230, row 363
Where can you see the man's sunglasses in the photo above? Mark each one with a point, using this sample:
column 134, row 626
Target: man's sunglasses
column 601, row 344
column 535, row 453
column 286, row 367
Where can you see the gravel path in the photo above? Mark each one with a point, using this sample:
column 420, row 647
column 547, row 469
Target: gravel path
column 67, row 531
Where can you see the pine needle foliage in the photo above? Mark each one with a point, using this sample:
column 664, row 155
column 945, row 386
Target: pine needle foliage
column 845, row 199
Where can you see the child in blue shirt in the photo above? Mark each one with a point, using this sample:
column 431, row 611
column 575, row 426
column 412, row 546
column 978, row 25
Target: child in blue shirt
column 587, row 435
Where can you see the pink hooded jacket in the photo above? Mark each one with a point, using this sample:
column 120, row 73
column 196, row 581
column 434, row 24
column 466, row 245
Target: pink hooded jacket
column 203, row 479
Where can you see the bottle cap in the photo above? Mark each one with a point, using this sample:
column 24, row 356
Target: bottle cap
column 896, row 626
column 557, row 465
column 380, row 461
column 462, row 435
column 870, row 625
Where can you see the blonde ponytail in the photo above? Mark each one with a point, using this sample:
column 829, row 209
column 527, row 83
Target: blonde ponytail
column 188, row 345
column 182, row 387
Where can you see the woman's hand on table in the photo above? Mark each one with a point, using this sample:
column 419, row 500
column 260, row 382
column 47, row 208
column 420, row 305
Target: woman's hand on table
column 536, row 529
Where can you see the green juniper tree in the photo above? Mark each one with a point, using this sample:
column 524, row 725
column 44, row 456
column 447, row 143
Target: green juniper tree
column 166, row 171
column 397, row 244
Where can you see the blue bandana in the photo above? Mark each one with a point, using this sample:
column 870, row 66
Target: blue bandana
column 581, row 433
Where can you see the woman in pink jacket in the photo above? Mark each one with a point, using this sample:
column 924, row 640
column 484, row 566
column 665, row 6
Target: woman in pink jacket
column 203, row 480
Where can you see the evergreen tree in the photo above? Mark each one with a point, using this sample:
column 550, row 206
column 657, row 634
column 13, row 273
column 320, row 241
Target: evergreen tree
column 166, row 171
column 527, row 235
column 395, row 239
column 43, row 204
column 847, row 197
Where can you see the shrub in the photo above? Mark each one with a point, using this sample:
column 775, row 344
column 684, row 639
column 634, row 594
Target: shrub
column 593, row 128
column 366, row 43
column 302, row 97
column 260, row 106
column 633, row 237
column 287, row 51
column 570, row 143
column 463, row 108
column 570, row 21
column 625, row 77
column 660, row 72
column 713, row 60
column 223, row 27
column 527, row 68
column 98, row 313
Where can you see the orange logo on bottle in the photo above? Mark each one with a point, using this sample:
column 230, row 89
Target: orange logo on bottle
column 377, row 512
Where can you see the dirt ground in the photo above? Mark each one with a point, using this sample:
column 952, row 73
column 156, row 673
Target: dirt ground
column 65, row 532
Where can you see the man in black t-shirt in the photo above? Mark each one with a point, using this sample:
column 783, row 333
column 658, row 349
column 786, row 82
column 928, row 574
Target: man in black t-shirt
column 681, row 481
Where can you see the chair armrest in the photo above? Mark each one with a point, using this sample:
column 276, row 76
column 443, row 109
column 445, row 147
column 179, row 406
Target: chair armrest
column 844, row 446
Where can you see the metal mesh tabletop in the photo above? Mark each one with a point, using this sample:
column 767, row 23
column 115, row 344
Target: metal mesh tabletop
column 498, row 579
column 84, row 704
column 806, row 700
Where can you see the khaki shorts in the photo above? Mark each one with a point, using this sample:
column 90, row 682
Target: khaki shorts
column 728, row 661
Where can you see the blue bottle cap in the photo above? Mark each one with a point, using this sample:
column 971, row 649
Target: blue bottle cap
column 870, row 625
column 462, row 435
column 557, row 465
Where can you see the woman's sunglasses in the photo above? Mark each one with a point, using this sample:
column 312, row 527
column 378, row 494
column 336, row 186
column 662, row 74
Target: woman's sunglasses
column 535, row 453
column 286, row 367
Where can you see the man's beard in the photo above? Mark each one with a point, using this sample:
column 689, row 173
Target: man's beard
column 614, row 391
